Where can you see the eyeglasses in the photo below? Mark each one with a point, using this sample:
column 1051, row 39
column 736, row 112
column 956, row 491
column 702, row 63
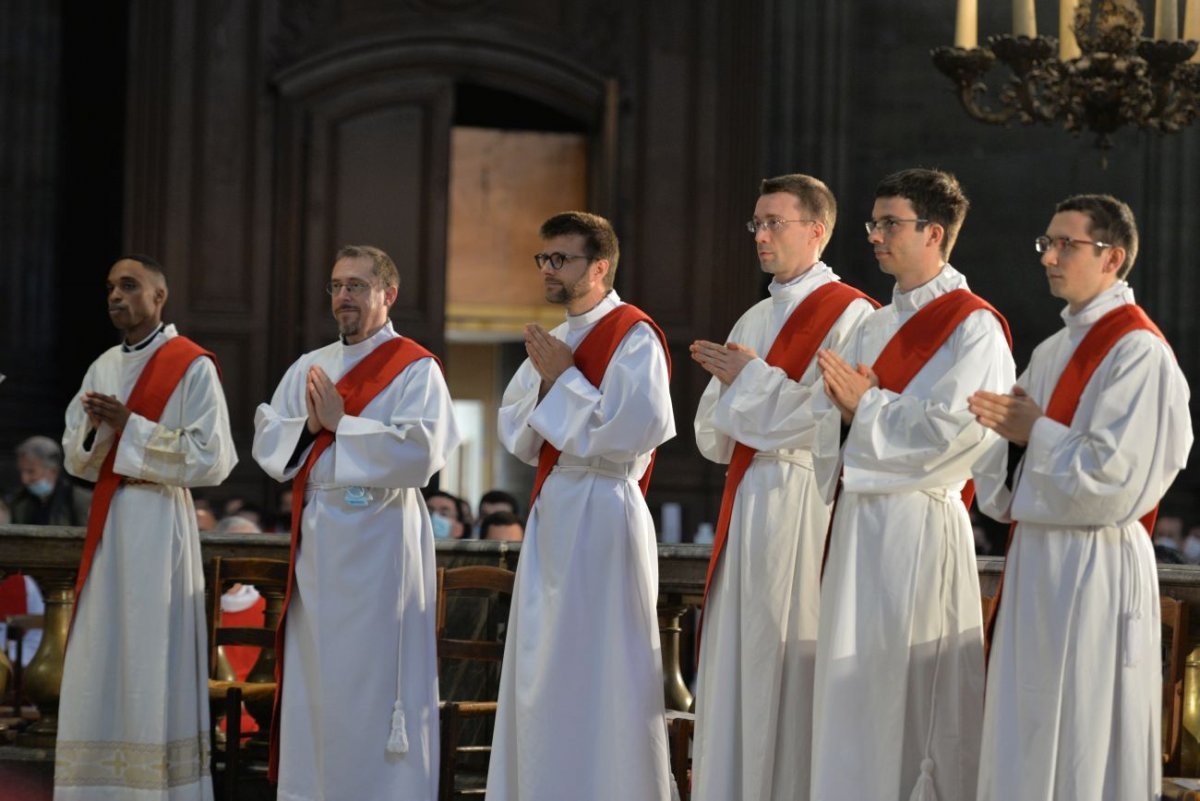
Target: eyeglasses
column 355, row 288
column 555, row 260
column 885, row 225
column 1044, row 244
column 772, row 225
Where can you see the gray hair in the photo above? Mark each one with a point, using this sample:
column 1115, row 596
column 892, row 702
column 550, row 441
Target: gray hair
column 44, row 449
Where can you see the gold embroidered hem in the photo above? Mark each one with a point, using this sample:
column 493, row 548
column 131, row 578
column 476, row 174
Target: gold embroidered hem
column 143, row 766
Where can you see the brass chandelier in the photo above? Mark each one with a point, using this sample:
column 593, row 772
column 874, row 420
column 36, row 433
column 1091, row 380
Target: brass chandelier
column 1099, row 76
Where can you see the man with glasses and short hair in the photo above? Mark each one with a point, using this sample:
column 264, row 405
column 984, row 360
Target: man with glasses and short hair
column 758, row 644
column 899, row 673
column 358, row 426
column 581, row 698
column 1095, row 430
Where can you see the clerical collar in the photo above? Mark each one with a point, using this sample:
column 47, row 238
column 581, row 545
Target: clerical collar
column 126, row 348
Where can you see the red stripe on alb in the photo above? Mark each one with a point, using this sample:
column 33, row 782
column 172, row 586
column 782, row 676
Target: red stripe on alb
column 592, row 358
column 358, row 387
column 1104, row 334
column 157, row 382
column 793, row 350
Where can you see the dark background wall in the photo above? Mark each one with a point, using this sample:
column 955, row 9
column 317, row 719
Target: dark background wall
column 242, row 142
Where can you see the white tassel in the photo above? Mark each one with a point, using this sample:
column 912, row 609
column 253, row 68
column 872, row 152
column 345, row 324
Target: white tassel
column 924, row 791
column 398, row 738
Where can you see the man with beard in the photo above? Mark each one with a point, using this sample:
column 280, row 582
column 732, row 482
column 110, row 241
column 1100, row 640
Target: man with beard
column 149, row 422
column 360, row 425
column 588, row 407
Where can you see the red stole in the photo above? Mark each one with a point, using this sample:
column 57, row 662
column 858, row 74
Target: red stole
column 154, row 387
column 1064, row 400
column 591, row 358
column 358, row 387
column 917, row 340
column 915, row 343
column 793, row 350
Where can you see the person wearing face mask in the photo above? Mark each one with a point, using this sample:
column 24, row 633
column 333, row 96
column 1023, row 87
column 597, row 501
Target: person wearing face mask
column 48, row 496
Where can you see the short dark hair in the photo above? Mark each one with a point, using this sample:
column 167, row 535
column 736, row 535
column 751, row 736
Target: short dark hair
column 599, row 238
column 498, row 519
column 460, row 506
column 1110, row 220
column 382, row 266
column 149, row 263
column 812, row 194
column 499, row 496
column 935, row 196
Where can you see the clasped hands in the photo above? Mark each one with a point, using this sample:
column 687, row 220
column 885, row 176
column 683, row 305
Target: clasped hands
column 101, row 408
column 1010, row 416
column 845, row 385
column 725, row 362
column 551, row 357
column 323, row 401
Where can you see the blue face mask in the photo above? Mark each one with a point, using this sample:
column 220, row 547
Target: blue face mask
column 442, row 526
column 41, row 488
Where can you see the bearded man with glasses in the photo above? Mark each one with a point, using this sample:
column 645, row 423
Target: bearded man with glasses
column 358, row 426
column 899, row 672
column 1095, row 430
column 581, row 701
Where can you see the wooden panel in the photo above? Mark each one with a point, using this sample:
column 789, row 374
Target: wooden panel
column 503, row 185
column 375, row 172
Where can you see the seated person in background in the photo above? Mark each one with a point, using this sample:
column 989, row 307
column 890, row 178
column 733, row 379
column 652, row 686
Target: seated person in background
column 205, row 519
column 497, row 501
column 445, row 511
column 47, row 496
column 501, row 526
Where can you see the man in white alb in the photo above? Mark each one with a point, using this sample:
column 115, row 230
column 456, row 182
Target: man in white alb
column 1095, row 431
column 360, row 425
column 899, row 679
column 581, row 694
column 149, row 422
column 758, row 644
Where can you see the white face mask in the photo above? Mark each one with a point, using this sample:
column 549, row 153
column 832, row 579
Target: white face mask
column 1191, row 549
column 41, row 488
column 442, row 526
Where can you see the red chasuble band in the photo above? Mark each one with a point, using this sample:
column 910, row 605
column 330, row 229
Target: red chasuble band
column 358, row 387
column 1101, row 338
column 914, row 344
column 794, row 348
column 592, row 358
column 157, row 382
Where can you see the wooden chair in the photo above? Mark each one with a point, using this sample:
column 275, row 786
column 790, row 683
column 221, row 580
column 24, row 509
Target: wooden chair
column 225, row 693
column 681, row 727
column 471, row 580
column 1175, row 624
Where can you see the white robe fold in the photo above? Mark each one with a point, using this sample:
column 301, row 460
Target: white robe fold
column 758, row 647
column 581, row 693
column 360, row 626
column 133, row 717
column 899, row 674
column 1074, row 694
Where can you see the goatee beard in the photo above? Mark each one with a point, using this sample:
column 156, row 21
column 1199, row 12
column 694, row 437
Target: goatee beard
column 348, row 329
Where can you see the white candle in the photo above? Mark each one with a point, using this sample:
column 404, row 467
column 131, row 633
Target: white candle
column 1024, row 19
column 1166, row 20
column 1068, row 47
column 966, row 24
column 1191, row 25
